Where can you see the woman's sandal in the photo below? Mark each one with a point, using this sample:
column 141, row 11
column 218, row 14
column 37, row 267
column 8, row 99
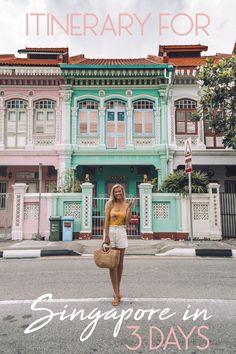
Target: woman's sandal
column 116, row 301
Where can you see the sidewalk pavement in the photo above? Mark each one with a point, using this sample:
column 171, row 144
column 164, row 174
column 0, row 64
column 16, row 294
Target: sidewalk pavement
column 137, row 247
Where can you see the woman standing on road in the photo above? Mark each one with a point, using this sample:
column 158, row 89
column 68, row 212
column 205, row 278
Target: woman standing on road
column 117, row 216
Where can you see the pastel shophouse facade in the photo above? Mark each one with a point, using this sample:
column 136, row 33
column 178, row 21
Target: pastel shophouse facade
column 108, row 121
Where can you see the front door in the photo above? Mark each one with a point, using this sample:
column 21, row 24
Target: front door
column 115, row 128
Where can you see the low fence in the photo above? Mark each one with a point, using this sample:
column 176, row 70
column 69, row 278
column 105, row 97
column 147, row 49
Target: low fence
column 160, row 215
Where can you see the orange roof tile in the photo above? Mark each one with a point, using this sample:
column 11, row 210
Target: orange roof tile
column 29, row 62
column 107, row 61
column 182, row 48
column 48, row 50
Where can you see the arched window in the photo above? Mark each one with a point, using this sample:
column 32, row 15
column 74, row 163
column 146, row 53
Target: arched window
column 88, row 117
column 16, row 123
column 44, row 117
column 184, row 109
column 143, row 117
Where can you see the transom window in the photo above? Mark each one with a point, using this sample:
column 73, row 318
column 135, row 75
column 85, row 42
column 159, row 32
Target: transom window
column 143, row 117
column 185, row 103
column 88, row 105
column 44, row 117
column 183, row 114
column 16, row 104
column 45, row 104
column 88, row 117
column 16, row 123
column 143, row 104
column 115, row 104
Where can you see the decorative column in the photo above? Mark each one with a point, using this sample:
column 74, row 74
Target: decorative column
column 2, row 123
column 156, row 113
column 164, row 118
column 101, row 112
column 164, row 168
column 58, row 127
column 145, row 191
column 64, row 166
column 200, row 141
column 30, row 113
column 18, row 211
column 65, row 117
column 86, row 218
column 74, row 126
column 130, row 144
column 214, row 211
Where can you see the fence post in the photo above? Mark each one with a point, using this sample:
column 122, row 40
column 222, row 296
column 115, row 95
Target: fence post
column 145, row 191
column 18, row 211
column 214, row 211
column 87, row 205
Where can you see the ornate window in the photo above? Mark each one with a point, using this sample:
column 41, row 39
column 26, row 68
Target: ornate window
column 183, row 123
column 88, row 117
column 115, row 124
column 143, row 117
column 44, row 117
column 212, row 138
column 16, row 123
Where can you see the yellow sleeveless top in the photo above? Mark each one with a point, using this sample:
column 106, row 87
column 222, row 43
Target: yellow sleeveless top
column 117, row 217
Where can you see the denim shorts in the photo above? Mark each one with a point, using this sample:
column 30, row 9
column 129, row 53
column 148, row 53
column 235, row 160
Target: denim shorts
column 118, row 236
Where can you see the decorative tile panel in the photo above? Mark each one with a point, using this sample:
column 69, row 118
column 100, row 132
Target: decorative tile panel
column 43, row 141
column 87, row 203
column 200, row 211
column 31, row 211
column 146, row 209
column 18, row 210
column 72, row 209
column 181, row 140
column 88, row 141
column 143, row 141
column 161, row 211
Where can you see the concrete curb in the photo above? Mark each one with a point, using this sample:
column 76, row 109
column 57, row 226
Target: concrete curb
column 178, row 252
column 199, row 252
column 37, row 253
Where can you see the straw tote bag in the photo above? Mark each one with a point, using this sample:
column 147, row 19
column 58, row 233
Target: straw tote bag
column 107, row 259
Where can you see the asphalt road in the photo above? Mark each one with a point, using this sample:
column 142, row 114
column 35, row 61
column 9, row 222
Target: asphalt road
column 169, row 306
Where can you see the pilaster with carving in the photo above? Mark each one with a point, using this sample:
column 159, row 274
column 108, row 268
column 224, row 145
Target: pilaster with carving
column 145, row 191
column 19, row 190
column 101, row 113
column 58, row 126
column 87, row 204
column 164, row 119
column 1, row 123
column 201, row 133
column 74, row 125
column 65, row 96
column 214, row 211
column 30, row 113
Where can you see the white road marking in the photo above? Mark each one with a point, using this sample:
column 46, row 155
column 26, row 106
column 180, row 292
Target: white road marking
column 125, row 299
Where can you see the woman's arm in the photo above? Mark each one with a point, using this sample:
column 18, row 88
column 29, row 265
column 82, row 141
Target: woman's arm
column 129, row 212
column 107, row 222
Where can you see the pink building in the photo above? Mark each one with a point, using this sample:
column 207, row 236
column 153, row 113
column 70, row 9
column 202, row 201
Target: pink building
column 30, row 120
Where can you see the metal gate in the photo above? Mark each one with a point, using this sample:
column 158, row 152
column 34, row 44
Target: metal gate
column 228, row 214
column 98, row 217
column 5, row 215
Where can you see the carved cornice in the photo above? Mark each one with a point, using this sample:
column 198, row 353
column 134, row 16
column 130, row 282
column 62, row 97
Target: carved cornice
column 30, row 71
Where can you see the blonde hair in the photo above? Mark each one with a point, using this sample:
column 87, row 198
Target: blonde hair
column 112, row 197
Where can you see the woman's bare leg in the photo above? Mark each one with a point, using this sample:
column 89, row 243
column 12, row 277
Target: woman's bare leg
column 120, row 266
column 114, row 280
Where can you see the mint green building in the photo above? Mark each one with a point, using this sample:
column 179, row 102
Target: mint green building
column 118, row 121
